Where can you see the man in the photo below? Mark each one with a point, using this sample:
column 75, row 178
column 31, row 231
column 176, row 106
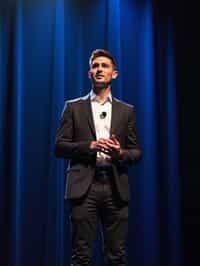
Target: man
column 97, row 134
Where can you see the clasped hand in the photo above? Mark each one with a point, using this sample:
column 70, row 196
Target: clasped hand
column 109, row 146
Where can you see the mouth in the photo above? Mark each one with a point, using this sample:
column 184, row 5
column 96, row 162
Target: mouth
column 99, row 76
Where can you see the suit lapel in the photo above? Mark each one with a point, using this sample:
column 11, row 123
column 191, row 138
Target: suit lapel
column 115, row 116
column 88, row 111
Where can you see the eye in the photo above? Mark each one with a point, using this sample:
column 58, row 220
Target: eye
column 105, row 65
column 95, row 65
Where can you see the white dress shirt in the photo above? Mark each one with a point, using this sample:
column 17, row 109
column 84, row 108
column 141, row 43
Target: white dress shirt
column 102, row 112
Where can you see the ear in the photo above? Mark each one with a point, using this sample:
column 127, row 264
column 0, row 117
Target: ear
column 114, row 74
column 89, row 74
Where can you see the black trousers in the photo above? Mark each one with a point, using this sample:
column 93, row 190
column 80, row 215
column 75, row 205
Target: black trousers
column 100, row 204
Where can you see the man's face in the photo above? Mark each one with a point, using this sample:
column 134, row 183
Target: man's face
column 102, row 71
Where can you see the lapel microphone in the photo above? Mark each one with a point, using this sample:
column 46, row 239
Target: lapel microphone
column 103, row 115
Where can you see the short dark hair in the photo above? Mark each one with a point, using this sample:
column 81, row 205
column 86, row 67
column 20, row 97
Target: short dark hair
column 101, row 52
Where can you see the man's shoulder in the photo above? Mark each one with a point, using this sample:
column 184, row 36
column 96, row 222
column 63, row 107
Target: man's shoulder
column 74, row 103
column 123, row 104
column 77, row 100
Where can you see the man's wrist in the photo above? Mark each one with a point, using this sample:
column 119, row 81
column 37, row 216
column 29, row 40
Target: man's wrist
column 92, row 145
column 121, row 153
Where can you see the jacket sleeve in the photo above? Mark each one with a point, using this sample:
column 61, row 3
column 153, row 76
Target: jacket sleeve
column 65, row 147
column 131, row 152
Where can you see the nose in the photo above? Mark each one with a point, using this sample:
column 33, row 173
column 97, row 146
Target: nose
column 99, row 69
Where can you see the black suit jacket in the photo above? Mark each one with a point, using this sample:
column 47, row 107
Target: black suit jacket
column 75, row 133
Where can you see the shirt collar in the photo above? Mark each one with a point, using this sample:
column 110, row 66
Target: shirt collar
column 94, row 97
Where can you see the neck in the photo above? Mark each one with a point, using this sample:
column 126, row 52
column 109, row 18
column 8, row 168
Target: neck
column 102, row 92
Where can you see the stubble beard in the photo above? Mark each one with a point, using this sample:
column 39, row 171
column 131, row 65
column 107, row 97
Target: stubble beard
column 100, row 86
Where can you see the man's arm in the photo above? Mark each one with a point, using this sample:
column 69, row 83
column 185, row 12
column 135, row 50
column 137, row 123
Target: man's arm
column 65, row 147
column 131, row 153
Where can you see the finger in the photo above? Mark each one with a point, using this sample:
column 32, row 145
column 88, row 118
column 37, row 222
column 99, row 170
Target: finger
column 106, row 150
column 109, row 141
column 103, row 146
column 102, row 141
column 113, row 137
column 113, row 146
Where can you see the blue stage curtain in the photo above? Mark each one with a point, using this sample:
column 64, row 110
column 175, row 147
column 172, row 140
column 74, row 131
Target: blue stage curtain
column 44, row 51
